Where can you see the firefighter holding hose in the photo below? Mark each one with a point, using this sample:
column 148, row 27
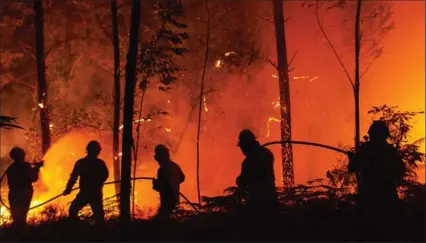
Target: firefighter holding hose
column 257, row 177
column 169, row 178
column 20, row 176
column 93, row 172
column 380, row 169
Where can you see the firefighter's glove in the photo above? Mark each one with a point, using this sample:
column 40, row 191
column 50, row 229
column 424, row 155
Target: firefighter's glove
column 40, row 164
column 67, row 191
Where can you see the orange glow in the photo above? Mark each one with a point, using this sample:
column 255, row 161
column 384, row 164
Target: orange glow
column 322, row 109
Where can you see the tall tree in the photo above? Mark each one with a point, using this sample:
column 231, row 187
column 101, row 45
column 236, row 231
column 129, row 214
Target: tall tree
column 117, row 94
column 41, row 73
column 357, row 74
column 206, row 56
column 376, row 19
column 129, row 97
column 284, row 87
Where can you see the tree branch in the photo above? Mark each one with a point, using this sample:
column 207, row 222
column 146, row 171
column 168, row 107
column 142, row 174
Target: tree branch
column 22, row 47
column 332, row 46
column 291, row 60
column 221, row 18
column 106, row 32
column 264, row 18
column 269, row 20
column 75, row 63
column 268, row 61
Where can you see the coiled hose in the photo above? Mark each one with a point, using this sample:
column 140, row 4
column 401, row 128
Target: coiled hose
column 186, row 199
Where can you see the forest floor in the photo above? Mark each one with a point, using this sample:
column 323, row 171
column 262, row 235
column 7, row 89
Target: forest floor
column 312, row 225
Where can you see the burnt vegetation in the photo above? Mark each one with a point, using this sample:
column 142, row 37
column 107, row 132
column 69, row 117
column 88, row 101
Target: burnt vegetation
column 323, row 209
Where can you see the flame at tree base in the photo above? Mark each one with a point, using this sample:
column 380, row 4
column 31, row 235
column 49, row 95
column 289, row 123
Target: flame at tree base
column 59, row 162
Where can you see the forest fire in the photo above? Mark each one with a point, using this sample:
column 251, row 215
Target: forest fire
column 83, row 78
column 59, row 162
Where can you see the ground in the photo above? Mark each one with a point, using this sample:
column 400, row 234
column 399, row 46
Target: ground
column 297, row 224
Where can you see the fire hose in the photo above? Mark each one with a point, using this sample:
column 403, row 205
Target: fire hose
column 106, row 183
column 186, row 199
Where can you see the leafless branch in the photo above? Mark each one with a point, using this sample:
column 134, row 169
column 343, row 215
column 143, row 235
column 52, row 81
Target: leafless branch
column 269, row 20
column 332, row 46
column 52, row 47
column 102, row 68
column 24, row 83
column 291, row 60
column 368, row 67
column 23, row 47
column 106, row 32
column 75, row 64
column 221, row 18
column 268, row 61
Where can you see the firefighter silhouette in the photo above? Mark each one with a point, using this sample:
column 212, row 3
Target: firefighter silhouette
column 93, row 173
column 380, row 169
column 167, row 183
column 257, row 179
column 20, row 176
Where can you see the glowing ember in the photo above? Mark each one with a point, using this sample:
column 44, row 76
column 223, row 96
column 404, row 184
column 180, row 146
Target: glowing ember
column 274, row 76
column 314, row 78
column 168, row 129
column 218, row 64
column 268, row 125
column 276, row 104
column 137, row 121
column 205, row 104
column 41, row 105
column 229, row 53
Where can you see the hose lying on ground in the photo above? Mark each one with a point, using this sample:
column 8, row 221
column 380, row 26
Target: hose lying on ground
column 186, row 199
column 106, row 183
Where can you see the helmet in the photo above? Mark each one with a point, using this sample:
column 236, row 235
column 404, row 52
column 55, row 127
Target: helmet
column 246, row 136
column 379, row 130
column 17, row 153
column 93, row 146
column 161, row 149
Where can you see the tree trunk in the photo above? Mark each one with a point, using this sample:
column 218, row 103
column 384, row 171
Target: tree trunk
column 357, row 82
column 41, row 75
column 201, row 100
column 116, row 121
column 357, row 75
column 129, row 96
column 284, row 86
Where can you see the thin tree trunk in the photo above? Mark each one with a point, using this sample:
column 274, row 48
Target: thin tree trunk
column 357, row 75
column 41, row 75
column 357, row 80
column 201, row 100
column 136, row 148
column 284, row 86
column 129, row 96
column 117, row 94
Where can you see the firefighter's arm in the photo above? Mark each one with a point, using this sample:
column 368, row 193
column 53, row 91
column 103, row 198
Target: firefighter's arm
column 182, row 176
column 73, row 178
column 241, row 179
column 155, row 182
column 105, row 172
column 34, row 171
